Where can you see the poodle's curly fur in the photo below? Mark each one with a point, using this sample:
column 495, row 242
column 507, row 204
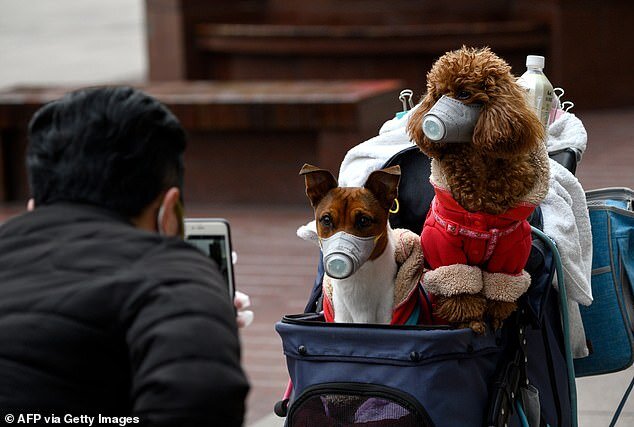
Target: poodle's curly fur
column 495, row 171
column 501, row 167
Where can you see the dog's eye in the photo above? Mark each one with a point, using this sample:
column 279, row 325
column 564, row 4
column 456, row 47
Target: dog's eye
column 326, row 221
column 364, row 221
column 463, row 94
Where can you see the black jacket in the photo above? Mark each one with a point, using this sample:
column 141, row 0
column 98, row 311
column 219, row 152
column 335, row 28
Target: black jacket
column 98, row 317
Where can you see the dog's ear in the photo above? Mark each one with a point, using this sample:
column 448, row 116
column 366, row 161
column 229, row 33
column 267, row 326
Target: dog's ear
column 507, row 126
column 383, row 184
column 318, row 183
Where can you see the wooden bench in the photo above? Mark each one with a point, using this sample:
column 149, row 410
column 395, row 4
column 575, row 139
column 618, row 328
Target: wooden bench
column 247, row 140
column 369, row 39
column 247, row 51
column 585, row 42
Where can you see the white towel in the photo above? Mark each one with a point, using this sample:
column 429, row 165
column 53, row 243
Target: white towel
column 566, row 199
column 567, row 132
column 567, row 222
column 372, row 154
column 308, row 232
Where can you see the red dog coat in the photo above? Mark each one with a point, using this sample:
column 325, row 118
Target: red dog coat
column 496, row 243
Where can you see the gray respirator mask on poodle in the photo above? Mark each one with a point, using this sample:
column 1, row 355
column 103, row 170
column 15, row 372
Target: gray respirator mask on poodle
column 450, row 120
column 344, row 253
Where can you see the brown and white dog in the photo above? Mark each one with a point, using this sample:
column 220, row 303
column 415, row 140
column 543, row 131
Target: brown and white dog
column 357, row 242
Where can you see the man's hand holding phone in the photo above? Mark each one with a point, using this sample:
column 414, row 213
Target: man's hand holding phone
column 212, row 236
column 244, row 317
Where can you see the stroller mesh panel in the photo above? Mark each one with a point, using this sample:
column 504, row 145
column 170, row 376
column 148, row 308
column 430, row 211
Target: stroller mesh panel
column 341, row 410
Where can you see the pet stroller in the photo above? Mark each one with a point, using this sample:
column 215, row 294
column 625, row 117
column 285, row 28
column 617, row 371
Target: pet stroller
column 422, row 375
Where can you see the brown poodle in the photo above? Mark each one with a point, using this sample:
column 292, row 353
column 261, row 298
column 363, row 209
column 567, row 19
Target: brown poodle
column 476, row 239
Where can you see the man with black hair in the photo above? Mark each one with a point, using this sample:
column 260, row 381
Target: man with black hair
column 103, row 311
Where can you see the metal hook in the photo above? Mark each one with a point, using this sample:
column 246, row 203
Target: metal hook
column 567, row 105
column 406, row 99
column 559, row 89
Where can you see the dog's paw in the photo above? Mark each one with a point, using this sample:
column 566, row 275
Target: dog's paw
column 460, row 309
column 463, row 311
column 478, row 326
column 498, row 311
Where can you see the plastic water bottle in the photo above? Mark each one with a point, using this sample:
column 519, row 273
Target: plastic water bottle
column 539, row 90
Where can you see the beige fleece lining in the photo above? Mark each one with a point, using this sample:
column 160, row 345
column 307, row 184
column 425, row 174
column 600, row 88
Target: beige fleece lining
column 453, row 280
column 409, row 258
column 505, row 287
column 438, row 177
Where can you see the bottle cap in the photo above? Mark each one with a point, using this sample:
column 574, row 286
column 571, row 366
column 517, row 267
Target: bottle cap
column 535, row 61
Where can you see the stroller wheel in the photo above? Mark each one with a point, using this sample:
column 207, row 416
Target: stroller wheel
column 281, row 408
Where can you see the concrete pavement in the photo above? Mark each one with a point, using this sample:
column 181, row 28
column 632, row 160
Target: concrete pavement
column 96, row 41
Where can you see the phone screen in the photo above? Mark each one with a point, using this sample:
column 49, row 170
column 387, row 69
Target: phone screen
column 215, row 247
column 213, row 239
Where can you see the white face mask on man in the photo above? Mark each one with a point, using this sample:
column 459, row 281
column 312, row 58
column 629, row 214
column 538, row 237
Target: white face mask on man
column 344, row 253
column 179, row 218
column 450, row 120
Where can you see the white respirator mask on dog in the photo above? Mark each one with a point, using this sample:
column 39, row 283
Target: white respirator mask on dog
column 450, row 120
column 344, row 253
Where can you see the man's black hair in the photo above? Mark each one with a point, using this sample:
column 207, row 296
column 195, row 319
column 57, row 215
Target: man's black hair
column 113, row 147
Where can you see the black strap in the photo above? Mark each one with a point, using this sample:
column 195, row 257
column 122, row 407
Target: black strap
column 511, row 373
column 315, row 300
column 415, row 192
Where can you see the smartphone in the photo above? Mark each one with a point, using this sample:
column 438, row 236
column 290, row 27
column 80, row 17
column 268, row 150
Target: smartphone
column 213, row 237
